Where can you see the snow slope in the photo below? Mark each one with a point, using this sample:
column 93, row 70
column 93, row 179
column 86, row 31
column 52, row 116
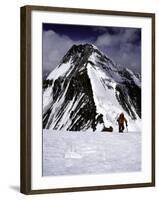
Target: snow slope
column 73, row 153
column 106, row 101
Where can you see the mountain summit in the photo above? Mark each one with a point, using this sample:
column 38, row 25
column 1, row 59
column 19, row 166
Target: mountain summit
column 87, row 91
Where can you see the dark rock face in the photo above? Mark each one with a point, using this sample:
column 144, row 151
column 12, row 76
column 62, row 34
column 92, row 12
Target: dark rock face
column 75, row 89
column 79, row 86
column 129, row 98
column 85, row 111
column 130, row 93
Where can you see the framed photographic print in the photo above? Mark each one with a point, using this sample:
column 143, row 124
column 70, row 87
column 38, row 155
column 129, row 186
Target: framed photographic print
column 87, row 99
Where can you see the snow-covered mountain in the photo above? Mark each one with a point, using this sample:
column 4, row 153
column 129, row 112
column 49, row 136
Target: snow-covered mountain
column 87, row 91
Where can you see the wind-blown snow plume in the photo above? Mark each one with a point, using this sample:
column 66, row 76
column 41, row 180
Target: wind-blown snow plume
column 87, row 91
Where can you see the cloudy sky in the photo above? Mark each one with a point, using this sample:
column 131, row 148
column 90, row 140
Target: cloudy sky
column 122, row 45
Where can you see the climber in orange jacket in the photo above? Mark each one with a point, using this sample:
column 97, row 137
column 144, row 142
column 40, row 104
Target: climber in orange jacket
column 121, row 119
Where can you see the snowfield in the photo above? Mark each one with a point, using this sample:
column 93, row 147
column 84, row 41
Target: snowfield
column 75, row 153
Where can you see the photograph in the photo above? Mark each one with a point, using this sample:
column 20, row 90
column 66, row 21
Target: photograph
column 91, row 99
column 87, row 99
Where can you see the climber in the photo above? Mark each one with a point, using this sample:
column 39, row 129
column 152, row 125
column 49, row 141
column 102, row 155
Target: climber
column 121, row 119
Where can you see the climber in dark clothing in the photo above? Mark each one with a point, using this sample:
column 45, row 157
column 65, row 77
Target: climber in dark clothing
column 121, row 119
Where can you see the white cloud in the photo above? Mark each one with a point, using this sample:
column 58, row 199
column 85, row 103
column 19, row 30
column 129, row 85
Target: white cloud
column 105, row 40
column 119, row 46
column 55, row 46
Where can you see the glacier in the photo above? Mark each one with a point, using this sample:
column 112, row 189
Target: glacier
column 75, row 153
